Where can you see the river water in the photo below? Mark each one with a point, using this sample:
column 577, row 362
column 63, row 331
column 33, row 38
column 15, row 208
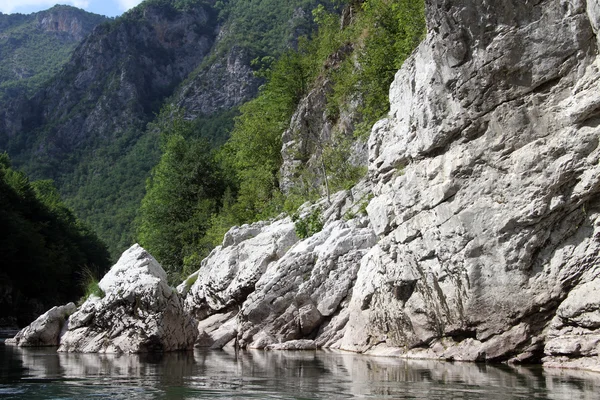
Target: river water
column 44, row 374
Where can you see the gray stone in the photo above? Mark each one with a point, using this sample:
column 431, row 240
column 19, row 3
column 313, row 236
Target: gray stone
column 487, row 190
column 482, row 241
column 310, row 282
column 46, row 330
column 139, row 313
column 294, row 345
column 228, row 275
column 216, row 331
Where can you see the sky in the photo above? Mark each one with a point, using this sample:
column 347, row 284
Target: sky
column 110, row 8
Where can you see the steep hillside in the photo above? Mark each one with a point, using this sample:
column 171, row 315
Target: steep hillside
column 248, row 31
column 298, row 140
column 34, row 47
column 46, row 251
column 86, row 129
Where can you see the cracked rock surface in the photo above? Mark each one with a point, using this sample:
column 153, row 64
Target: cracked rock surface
column 139, row 313
column 487, row 179
column 482, row 238
column 46, row 330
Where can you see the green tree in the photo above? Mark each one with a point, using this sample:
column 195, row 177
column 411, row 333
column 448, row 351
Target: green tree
column 183, row 192
column 254, row 150
column 44, row 247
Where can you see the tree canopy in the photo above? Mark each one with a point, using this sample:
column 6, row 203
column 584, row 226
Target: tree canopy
column 44, row 248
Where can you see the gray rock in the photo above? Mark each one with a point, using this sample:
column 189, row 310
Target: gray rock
column 294, row 345
column 313, row 131
column 483, row 237
column 299, row 293
column 229, row 274
column 216, row 331
column 486, row 182
column 226, row 83
column 139, row 313
column 46, row 330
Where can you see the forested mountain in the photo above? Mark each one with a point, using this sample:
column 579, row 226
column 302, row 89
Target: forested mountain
column 301, row 138
column 34, row 47
column 87, row 128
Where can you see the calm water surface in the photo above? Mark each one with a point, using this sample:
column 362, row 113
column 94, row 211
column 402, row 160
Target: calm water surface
column 44, row 374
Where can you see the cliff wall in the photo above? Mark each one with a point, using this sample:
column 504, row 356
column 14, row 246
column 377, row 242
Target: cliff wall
column 485, row 179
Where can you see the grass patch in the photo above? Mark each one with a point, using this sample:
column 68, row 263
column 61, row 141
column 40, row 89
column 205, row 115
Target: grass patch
column 90, row 284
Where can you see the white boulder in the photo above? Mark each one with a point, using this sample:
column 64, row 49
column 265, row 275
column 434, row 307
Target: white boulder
column 139, row 312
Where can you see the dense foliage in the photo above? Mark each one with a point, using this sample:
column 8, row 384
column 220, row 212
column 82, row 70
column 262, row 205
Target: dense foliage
column 309, row 225
column 183, row 192
column 101, row 173
column 266, row 27
column 383, row 35
column 187, row 209
column 44, row 248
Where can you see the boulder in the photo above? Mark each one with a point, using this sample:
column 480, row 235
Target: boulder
column 139, row 312
column 303, row 294
column 46, row 330
column 228, row 275
column 216, row 331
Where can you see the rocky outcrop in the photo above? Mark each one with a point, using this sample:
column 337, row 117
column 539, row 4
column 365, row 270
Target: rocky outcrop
column 573, row 339
column 232, row 270
column 46, row 330
column 303, row 294
column 266, row 287
column 481, row 242
column 139, row 312
column 226, row 83
column 314, row 136
column 68, row 23
column 487, row 185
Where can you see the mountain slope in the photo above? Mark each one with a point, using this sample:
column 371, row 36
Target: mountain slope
column 86, row 129
column 34, row 47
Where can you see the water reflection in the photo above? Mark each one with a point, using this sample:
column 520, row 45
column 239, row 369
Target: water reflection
column 44, row 374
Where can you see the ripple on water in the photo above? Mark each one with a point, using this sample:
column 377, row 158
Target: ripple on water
column 43, row 374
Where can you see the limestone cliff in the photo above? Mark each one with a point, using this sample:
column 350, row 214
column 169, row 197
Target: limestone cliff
column 486, row 208
column 486, row 179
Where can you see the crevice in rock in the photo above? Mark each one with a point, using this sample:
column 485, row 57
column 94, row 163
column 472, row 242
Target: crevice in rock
column 547, row 86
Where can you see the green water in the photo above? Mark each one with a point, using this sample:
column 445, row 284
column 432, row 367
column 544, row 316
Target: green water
column 44, row 374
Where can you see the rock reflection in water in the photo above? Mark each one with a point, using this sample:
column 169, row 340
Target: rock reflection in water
column 37, row 374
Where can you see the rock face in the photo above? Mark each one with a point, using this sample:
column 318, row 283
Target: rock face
column 231, row 271
column 227, row 83
column 266, row 287
column 23, row 70
column 303, row 294
column 139, row 312
column 313, row 132
column 482, row 240
column 119, row 75
column 46, row 330
column 487, row 187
